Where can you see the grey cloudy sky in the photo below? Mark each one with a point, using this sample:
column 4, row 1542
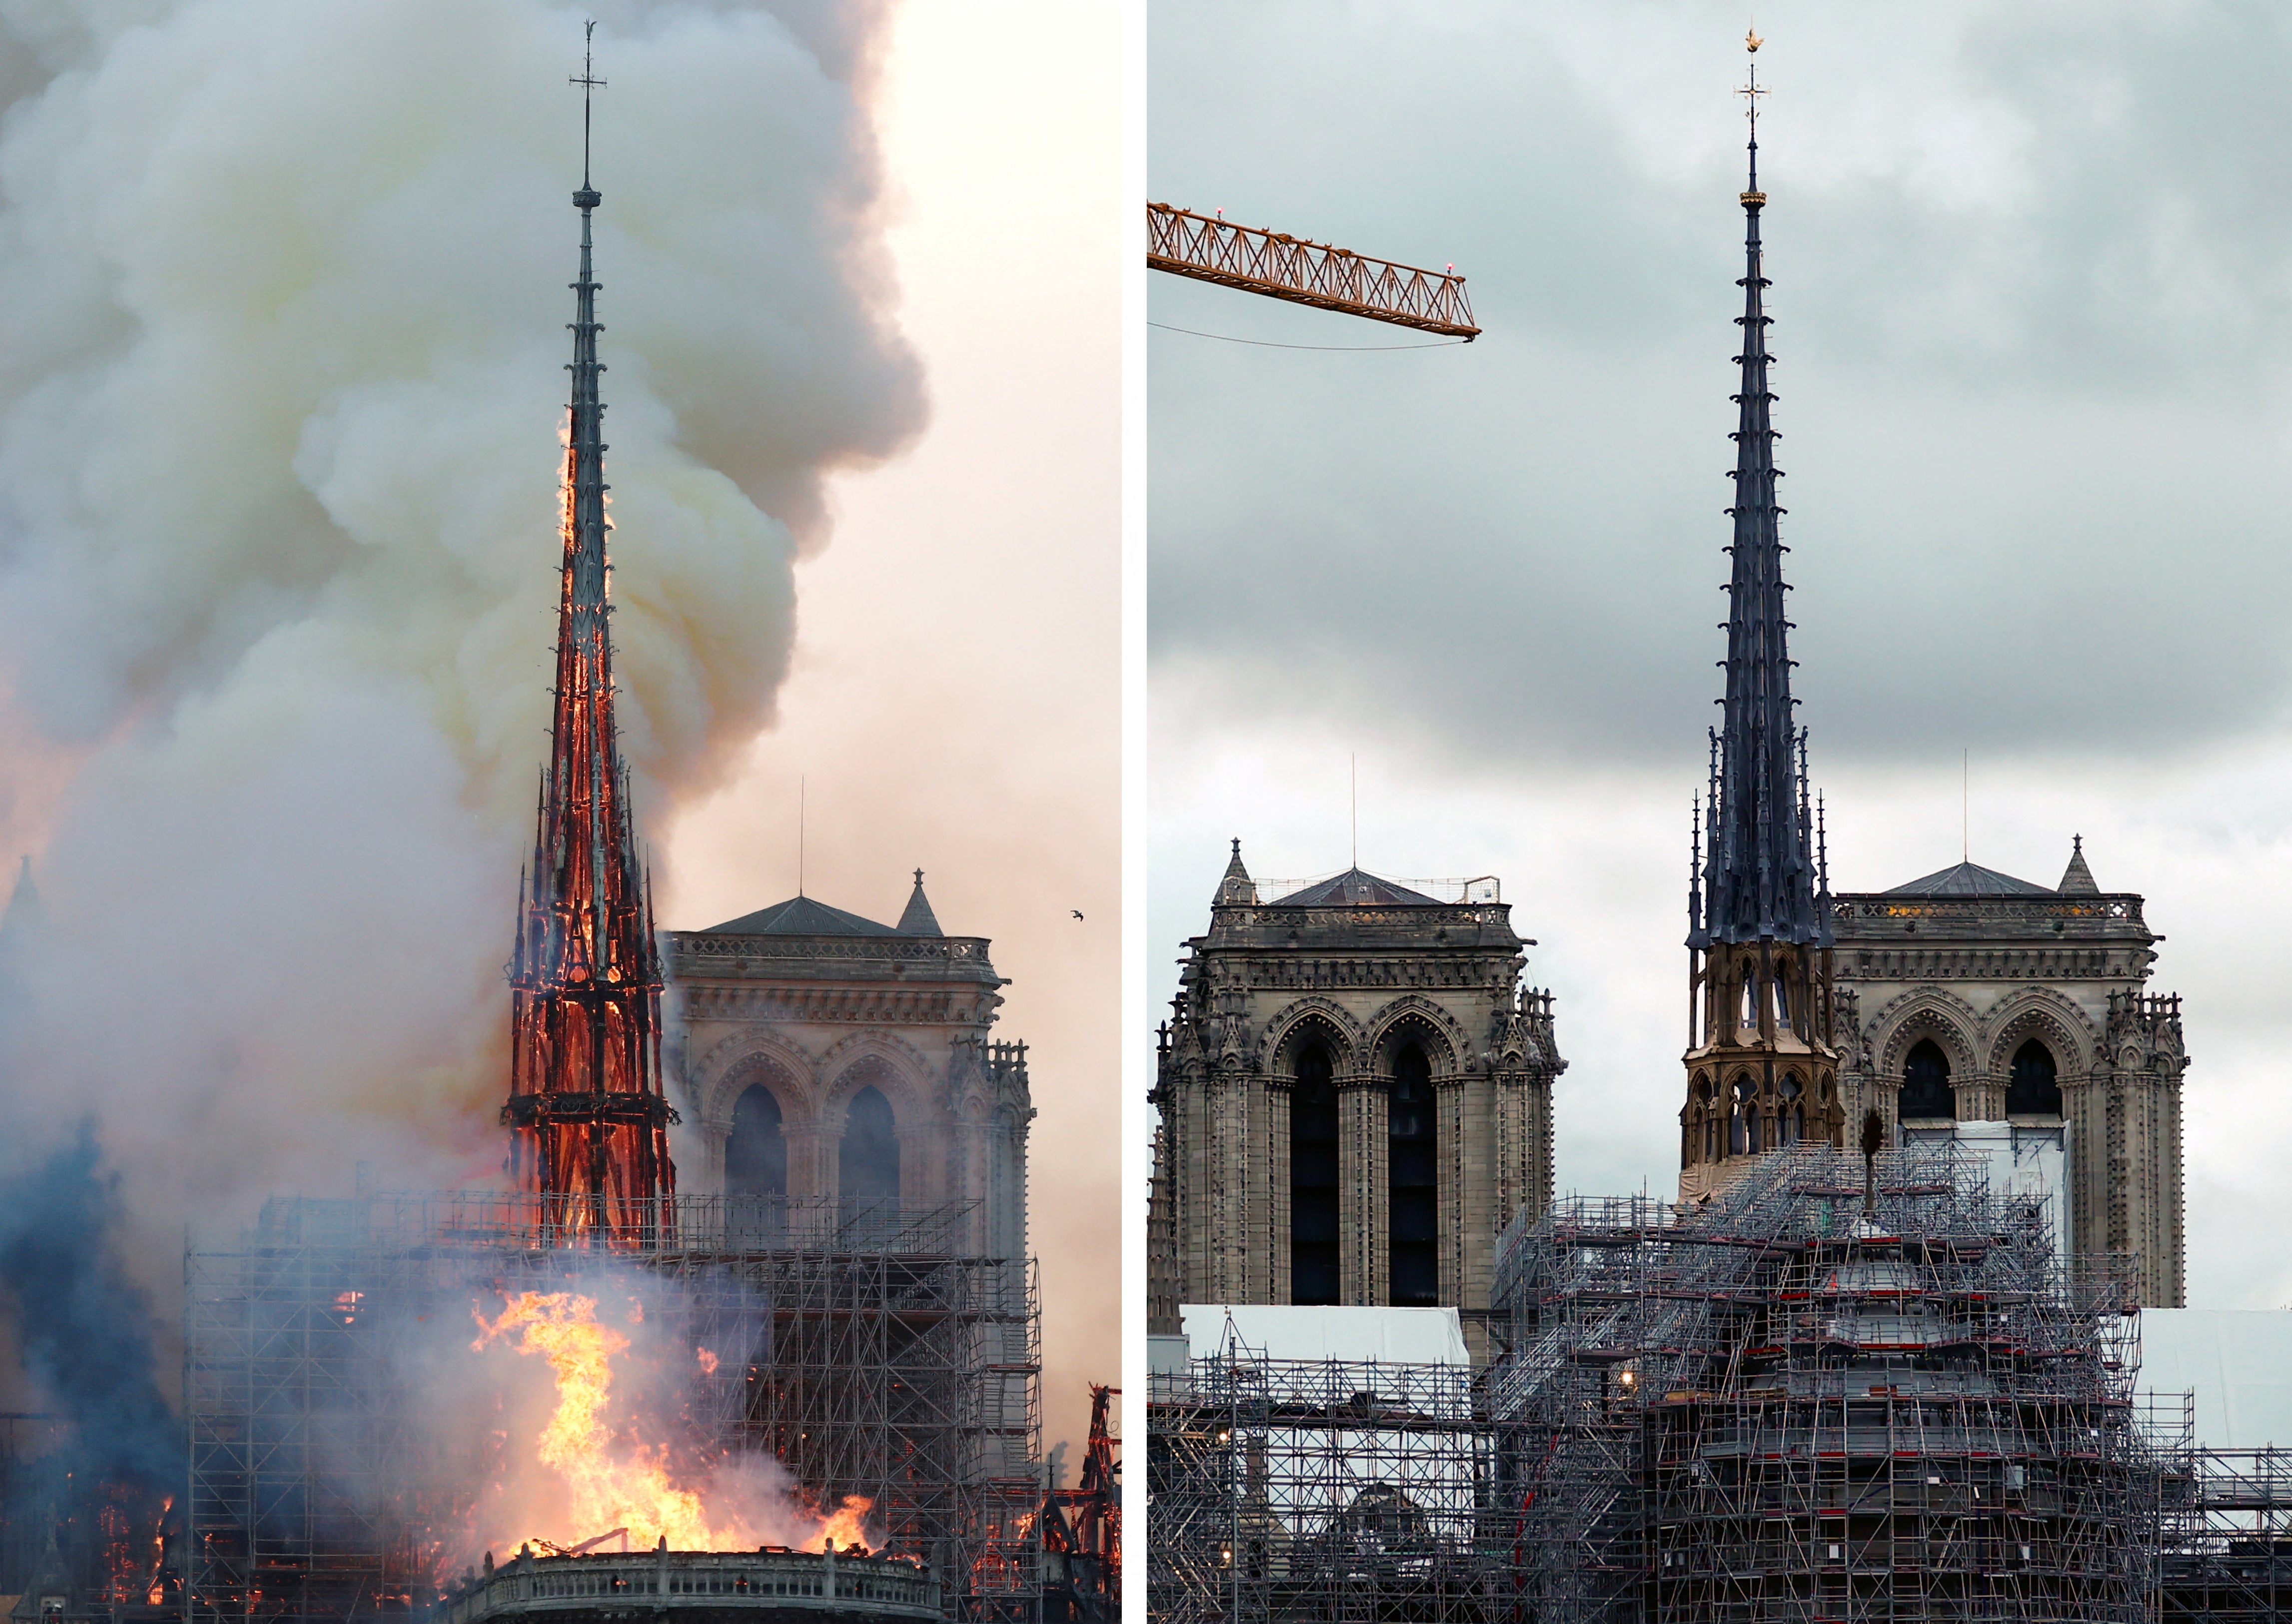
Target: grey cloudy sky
column 2032, row 295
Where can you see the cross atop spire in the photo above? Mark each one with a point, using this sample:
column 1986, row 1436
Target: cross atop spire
column 1750, row 93
column 1761, row 878
column 589, row 82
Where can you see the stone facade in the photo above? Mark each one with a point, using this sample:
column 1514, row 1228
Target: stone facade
column 1355, row 1097
column 825, row 1039
column 1971, row 995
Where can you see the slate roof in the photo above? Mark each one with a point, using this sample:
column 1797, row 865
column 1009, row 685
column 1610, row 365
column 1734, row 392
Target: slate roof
column 919, row 920
column 1355, row 888
column 799, row 916
column 1969, row 880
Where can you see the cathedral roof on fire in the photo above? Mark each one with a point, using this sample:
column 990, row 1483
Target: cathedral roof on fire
column 1969, row 880
column 1355, row 888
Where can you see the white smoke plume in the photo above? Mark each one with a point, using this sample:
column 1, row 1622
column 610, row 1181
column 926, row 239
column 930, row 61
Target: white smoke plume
column 281, row 376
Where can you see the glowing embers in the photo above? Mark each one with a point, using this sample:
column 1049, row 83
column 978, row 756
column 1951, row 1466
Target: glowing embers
column 600, row 1472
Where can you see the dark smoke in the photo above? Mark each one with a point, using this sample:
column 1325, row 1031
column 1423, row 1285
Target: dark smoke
column 84, row 1331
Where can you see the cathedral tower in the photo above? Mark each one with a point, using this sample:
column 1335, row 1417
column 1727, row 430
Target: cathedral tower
column 1355, row 1098
column 589, row 1120
column 1762, row 1068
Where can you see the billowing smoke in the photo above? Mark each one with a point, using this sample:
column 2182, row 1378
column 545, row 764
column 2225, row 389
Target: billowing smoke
column 282, row 378
column 85, row 1333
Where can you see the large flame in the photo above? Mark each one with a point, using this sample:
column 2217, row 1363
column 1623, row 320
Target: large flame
column 613, row 1479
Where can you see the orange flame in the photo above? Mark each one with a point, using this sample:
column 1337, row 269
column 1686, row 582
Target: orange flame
column 628, row 1484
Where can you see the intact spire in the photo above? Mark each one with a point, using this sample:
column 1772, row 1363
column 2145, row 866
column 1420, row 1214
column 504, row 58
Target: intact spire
column 1759, row 879
column 2077, row 878
column 1235, row 886
column 585, row 1097
column 919, row 920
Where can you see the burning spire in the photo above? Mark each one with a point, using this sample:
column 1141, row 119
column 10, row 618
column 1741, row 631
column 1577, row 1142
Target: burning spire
column 589, row 1119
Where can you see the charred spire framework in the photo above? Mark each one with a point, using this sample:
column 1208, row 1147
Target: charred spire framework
column 589, row 1115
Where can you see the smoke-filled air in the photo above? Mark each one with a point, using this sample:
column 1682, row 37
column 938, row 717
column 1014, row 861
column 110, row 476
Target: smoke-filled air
column 282, row 382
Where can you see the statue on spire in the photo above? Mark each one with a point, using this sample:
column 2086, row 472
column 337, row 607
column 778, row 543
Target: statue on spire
column 588, row 1116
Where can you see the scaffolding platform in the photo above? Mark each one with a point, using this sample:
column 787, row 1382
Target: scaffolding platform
column 1812, row 1397
column 1316, row 1490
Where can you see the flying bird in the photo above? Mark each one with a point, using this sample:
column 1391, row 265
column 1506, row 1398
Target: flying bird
column 1076, row 912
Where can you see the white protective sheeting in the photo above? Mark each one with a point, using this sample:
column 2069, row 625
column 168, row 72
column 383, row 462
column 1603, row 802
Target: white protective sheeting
column 1166, row 1355
column 2237, row 1363
column 1396, row 1336
column 2024, row 1160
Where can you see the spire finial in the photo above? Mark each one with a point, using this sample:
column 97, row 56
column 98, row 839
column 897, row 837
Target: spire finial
column 919, row 879
column 588, row 82
column 1751, row 93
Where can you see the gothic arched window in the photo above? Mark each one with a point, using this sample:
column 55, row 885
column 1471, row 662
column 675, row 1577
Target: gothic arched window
column 2034, row 1089
column 1313, row 1179
column 1791, row 1119
column 1413, row 1164
column 1743, row 1122
column 1925, row 1082
column 756, row 1157
column 867, row 1161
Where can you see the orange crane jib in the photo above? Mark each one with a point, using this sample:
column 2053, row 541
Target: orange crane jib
column 1283, row 267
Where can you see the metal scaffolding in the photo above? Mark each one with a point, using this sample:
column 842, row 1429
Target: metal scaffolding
column 1809, row 1398
column 1298, row 1490
column 861, row 1345
column 2227, row 1551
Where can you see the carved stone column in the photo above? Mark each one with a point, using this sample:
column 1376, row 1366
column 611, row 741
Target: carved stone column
column 1364, row 1191
column 1224, row 1203
column 1188, row 1158
column 1274, row 1170
column 1253, row 1272
column 2084, row 1111
column 715, row 1133
column 1981, row 1097
column 1462, row 1191
column 810, row 1159
column 2173, row 1274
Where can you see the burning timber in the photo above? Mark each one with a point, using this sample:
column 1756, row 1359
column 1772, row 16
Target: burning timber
column 863, row 1348
column 699, row 1587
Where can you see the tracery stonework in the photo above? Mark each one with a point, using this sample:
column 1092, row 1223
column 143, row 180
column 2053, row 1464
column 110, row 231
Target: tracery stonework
column 827, row 1055
column 1355, row 1095
column 1971, row 995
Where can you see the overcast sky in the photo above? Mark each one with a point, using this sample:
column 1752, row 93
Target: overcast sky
column 2033, row 299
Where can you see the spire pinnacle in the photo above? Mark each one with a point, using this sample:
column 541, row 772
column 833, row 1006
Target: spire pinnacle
column 1760, row 864
column 589, row 82
column 1752, row 197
